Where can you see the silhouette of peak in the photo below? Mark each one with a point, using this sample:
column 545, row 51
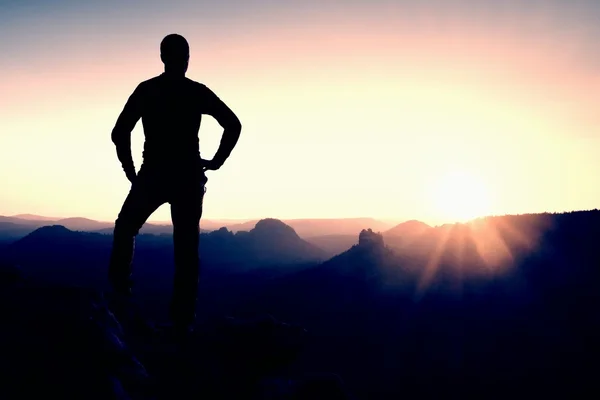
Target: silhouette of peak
column 413, row 223
column 365, row 262
column 369, row 239
column 270, row 222
column 51, row 230
column 411, row 227
column 55, row 237
column 272, row 226
column 273, row 241
column 222, row 233
column 77, row 219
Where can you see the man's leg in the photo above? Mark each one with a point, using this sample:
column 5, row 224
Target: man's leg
column 186, row 211
column 143, row 199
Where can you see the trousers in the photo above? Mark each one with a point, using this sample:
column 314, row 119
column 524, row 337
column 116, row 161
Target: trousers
column 153, row 187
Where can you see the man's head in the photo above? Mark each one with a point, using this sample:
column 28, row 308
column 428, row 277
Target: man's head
column 175, row 53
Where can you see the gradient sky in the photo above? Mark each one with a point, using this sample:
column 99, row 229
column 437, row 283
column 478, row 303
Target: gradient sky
column 349, row 108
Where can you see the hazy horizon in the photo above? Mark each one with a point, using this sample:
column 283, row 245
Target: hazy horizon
column 438, row 111
column 235, row 221
column 213, row 220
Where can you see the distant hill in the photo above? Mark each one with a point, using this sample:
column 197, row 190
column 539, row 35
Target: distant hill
column 238, row 226
column 33, row 217
column 16, row 227
column 403, row 233
column 25, row 221
column 305, row 228
column 83, row 224
column 10, row 232
column 148, row 229
column 337, row 282
column 333, row 244
column 56, row 252
column 406, row 234
column 270, row 242
column 411, row 228
column 89, row 225
column 502, row 301
column 499, row 305
column 342, row 226
column 308, row 228
column 13, row 228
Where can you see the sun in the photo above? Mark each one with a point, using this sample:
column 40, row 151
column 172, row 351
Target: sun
column 461, row 196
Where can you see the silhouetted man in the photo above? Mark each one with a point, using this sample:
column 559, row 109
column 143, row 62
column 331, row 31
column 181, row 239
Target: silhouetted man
column 171, row 107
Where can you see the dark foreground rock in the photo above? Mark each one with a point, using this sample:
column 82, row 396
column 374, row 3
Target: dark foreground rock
column 64, row 342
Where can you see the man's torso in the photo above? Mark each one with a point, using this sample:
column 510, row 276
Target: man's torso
column 171, row 112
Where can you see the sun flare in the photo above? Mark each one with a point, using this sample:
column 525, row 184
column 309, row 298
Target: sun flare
column 461, row 196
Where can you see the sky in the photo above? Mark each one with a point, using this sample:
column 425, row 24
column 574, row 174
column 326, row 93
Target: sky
column 430, row 110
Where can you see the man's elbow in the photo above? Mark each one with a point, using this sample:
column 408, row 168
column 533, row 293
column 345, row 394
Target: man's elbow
column 119, row 138
column 114, row 136
column 234, row 125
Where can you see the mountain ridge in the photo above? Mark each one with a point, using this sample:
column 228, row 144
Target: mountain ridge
column 507, row 302
column 320, row 231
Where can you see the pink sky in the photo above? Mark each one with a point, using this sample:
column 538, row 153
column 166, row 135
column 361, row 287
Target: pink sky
column 361, row 110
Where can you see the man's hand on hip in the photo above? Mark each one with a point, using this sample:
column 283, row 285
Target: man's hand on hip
column 210, row 165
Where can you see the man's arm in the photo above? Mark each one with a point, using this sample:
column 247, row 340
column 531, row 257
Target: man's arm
column 121, row 133
column 232, row 126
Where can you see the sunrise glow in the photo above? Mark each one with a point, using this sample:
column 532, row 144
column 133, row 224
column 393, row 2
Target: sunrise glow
column 349, row 109
column 460, row 196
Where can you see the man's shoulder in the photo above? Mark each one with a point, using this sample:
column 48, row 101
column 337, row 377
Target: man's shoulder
column 204, row 91
column 197, row 85
column 157, row 81
column 149, row 82
column 143, row 86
